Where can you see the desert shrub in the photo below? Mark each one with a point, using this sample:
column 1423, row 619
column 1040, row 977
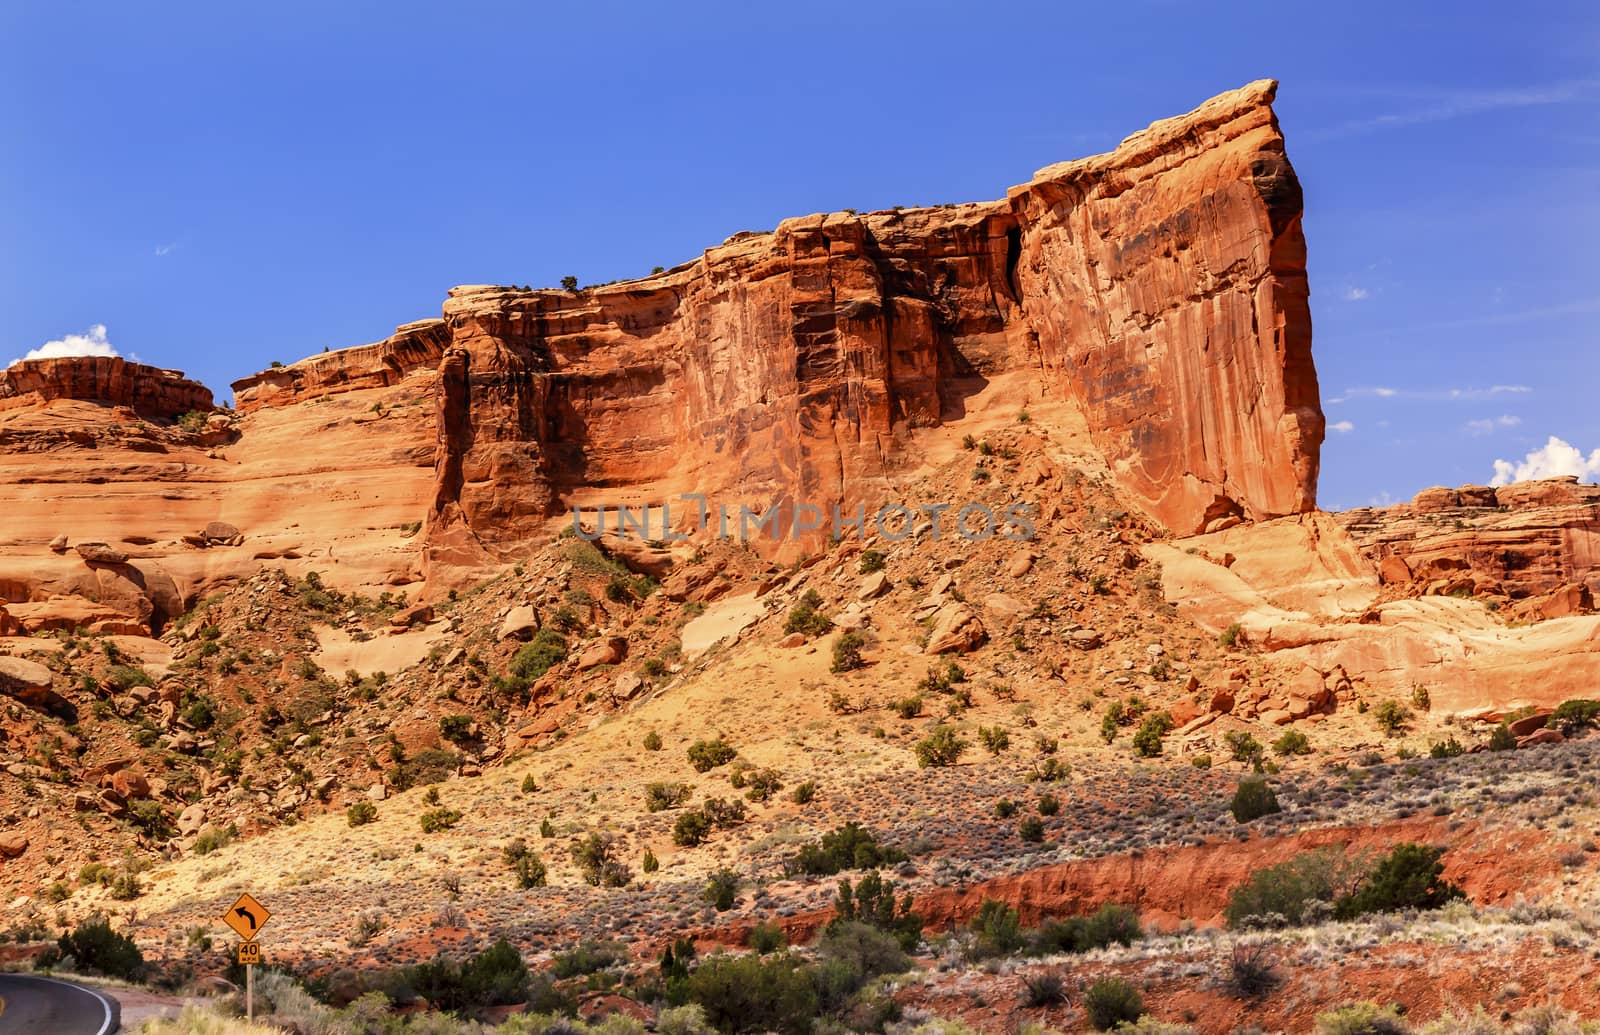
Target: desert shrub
column 1005, row 808
column 1031, row 830
column 1572, row 716
column 872, row 901
column 807, row 618
column 995, row 739
column 763, row 784
column 1230, row 636
column 908, row 707
column 430, row 765
column 1409, row 877
column 691, row 828
column 804, row 793
column 1049, row 805
column 213, row 838
column 1292, row 892
column 1046, row 989
column 1253, row 799
column 706, row 755
column 767, row 937
column 1502, row 739
column 871, row 561
column 1450, row 747
column 723, row 813
column 659, row 797
column 997, row 930
column 850, row 847
column 596, row 860
column 649, row 863
column 721, row 890
column 149, row 816
column 847, row 651
column 455, row 727
column 652, row 741
column 435, row 820
column 1111, row 924
column 1250, row 973
column 750, row 993
column 1392, row 716
column 1110, row 1002
column 1360, row 1019
column 525, row 864
column 125, row 887
column 590, row 957
column 495, row 977
column 1147, row 742
column 97, row 949
column 940, row 748
column 1243, row 747
column 533, row 659
column 529, row 784
column 1293, row 742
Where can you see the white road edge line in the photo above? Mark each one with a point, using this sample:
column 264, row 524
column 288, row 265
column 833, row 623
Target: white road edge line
column 105, row 1027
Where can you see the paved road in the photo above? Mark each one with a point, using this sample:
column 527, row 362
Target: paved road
column 42, row 1006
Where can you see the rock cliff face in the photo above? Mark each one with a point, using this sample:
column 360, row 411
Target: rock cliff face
column 1160, row 288
column 1519, row 541
column 1152, row 302
column 411, row 347
column 148, row 391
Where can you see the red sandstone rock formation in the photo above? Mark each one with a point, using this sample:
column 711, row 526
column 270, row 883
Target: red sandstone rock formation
column 148, row 391
column 1161, row 288
column 1523, row 540
column 1157, row 293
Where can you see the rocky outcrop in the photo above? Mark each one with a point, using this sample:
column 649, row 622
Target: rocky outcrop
column 413, row 346
column 1166, row 285
column 148, row 391
column 1518, row 541
column 1160, row 288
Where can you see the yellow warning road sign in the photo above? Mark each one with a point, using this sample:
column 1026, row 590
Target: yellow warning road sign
column 249, row 954
column 247, row 916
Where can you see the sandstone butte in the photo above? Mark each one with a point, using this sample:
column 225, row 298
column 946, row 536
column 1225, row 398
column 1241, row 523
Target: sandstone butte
column 1149, row 307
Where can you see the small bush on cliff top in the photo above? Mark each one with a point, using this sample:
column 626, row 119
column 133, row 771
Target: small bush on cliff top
column 1409, row 877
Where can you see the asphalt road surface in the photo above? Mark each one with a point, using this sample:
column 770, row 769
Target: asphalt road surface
column 42, row 1006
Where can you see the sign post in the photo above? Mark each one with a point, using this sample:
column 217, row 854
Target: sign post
column 247, row 917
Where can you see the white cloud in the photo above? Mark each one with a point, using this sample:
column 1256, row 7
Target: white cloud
column 1355, row 294
column 92, row 342
column 1437, row 394
column 165, row 249
column 1555, row 459
column 1344, row 427
column 1487, row 425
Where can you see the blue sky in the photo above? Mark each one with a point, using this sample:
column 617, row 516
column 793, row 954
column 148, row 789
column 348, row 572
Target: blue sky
column 220, row 186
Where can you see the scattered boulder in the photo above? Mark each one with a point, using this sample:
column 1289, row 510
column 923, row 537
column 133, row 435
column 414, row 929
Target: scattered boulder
column 220, row 533
column 1021, row 564
column 1084, row 639
column 607, row 651
column 1221, row 702
column 520, row 623
column 100, row 553
column 955, row 628
column 9, row 625
column 628, row 685
column 59, row 544
column 1394, row 571
column 1277, row 716
column 417, row 614
column 1544, row 736
column 873, row 586
column 191, row 819
column 1529, row 724
column 30, row 683
column 793, row 640
column 13, row 844
column 127, row 784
